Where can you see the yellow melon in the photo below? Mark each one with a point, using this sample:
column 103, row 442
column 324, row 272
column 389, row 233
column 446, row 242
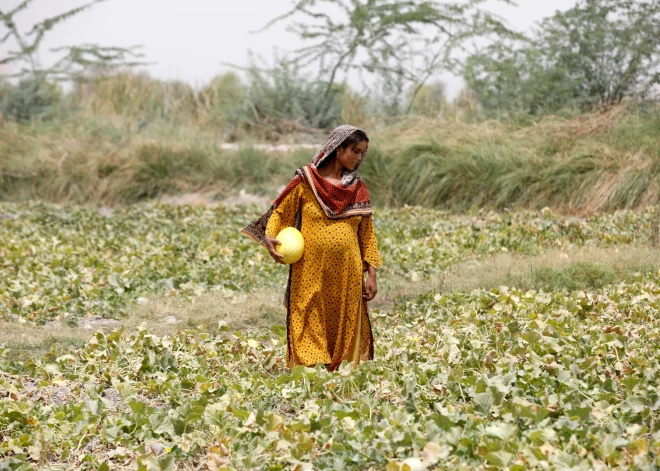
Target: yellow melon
column 291, row 245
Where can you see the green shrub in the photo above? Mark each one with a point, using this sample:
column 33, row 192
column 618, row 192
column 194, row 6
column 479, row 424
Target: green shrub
column 29, row 100
column 285, row 93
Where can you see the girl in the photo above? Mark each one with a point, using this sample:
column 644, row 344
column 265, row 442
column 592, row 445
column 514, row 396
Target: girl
column 327, row 318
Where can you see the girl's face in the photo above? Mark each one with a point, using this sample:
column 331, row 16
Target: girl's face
column 351, row 156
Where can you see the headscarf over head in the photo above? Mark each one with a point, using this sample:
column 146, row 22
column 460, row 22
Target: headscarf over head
column 346, row 199
column 338, row 136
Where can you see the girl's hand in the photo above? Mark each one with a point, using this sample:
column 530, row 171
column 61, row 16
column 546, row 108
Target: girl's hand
column 270, row 245
column 370, row 287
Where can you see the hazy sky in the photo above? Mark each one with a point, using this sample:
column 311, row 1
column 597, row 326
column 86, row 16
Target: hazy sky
column 189, row 40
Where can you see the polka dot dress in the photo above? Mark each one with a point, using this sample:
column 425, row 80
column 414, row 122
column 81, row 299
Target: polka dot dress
column 326, row 283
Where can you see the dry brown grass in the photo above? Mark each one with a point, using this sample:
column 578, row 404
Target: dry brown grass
column 454, row 130
column 257, row 310
column 589, row 123
column 160, row 315
column 596, row 162
column 502, row 269
column 26, row 340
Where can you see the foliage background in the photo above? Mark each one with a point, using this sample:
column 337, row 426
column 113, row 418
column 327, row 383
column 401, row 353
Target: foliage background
column 517, row 321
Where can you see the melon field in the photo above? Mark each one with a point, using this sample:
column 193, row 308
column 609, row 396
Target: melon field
column 152, row 337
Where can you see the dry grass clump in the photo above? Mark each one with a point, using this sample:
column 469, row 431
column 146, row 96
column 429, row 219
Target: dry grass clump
column 242, row 311
column 583, row 268
column 586, row 268
column 93, row 170
column 161, row 315
column 28, row 340
column 106, row 162
column 597, row 162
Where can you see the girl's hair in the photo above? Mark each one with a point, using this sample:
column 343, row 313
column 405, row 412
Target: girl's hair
column 354, row 138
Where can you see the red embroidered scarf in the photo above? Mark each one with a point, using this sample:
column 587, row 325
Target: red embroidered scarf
column 346, row 199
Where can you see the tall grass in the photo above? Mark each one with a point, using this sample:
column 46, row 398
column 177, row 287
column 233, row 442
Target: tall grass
column 92, row 160
column 269, row 104
column 220, row 104
column 584, row 268
column 597, row 162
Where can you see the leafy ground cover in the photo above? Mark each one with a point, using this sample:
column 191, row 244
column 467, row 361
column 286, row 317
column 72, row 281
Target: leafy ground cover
column 497, row 378
column 493, row 379
column 70, row 262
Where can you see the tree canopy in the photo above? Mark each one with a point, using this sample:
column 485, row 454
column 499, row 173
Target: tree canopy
column 597, row 53
column 404, row 43
column 74, row 60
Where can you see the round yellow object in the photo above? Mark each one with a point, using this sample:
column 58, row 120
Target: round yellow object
column 291, row 245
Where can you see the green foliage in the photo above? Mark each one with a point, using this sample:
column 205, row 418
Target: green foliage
column 285, row 93
column 597, row 53
column 75, row 60
column 503, row 378
column 30, row 99
column 402, row 43
column 65, row 263
column 551, row 164
column 507, row 79
column 509, row 378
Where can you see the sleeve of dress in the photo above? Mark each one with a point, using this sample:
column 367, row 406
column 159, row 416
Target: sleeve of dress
column 284, row 215
column 367, row 240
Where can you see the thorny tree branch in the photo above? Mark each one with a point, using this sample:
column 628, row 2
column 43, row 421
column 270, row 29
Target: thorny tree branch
column 370, row 35
column 75, row 60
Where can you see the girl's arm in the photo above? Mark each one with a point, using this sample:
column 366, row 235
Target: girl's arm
column 371, row 286
column 370, row 256
column 282, row 217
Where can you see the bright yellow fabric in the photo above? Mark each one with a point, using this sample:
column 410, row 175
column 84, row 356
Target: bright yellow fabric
column 326, row 283
column 353, row 355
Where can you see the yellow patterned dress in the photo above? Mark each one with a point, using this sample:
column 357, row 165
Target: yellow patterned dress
column 328, row 320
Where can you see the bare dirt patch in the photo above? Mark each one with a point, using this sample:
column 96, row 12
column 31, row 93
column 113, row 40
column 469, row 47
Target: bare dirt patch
column 160, row 315
column 210, row 199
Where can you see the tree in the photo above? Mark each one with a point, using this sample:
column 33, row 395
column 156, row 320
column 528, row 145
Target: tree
column 431, row 100
column 36, row 96
column 403, row 42
column 74, row 60
column 282, row 93
column 595, row 54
